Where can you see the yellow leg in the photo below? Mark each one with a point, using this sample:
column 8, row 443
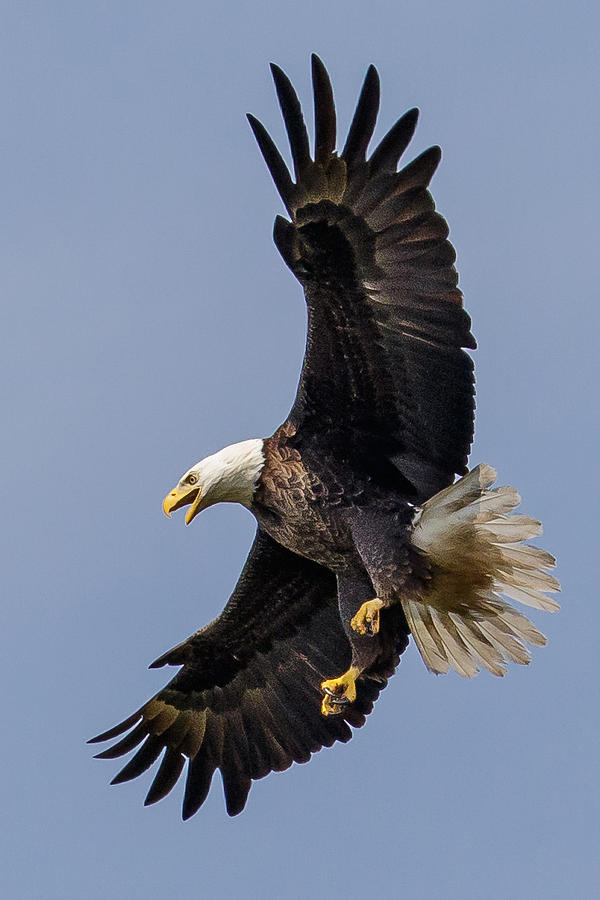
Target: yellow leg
column 366, row 620
column 339, row 692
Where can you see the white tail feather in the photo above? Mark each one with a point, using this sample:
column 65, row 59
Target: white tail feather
column 417, row 615
column 476, row 550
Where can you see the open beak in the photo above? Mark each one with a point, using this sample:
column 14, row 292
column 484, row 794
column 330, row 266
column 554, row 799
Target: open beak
column 181, row 497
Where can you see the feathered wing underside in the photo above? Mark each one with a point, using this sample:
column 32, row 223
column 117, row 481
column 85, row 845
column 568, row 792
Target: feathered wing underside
column 247, row 700
column 386, row 323
column 475, row 545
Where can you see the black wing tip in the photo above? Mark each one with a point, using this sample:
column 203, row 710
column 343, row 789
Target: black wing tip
column 117, row 730
column 274, row 161
column 166, row 778
column 433, row 153
column 236, row 794
column 254, row 122
column 188, row 813
column 174, row 657
column 372, row 82
column 318, row 67
column 408, row 119
column 324, row 112
column 144, row 757
column 235, row 810
column 364, row 119
column 118, row 779
column 279, row 77
column 390, row 149
column 192, row 805
column 291, row 111
column 319, row 73
column 424, row 165
column 106, row 754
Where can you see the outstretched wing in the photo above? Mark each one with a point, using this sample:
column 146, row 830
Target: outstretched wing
column 385, row 317
column 247, row 700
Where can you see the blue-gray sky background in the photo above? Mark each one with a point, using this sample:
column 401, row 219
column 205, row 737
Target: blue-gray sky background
column 147, row 320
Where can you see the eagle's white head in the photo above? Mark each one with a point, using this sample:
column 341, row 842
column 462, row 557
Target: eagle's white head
column 229, row 476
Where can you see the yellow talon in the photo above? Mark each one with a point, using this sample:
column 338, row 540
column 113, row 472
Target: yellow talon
column 329, row 707
column 366, row 620
column 339, row 692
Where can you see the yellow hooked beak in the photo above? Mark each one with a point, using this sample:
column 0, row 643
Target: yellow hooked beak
column 188, row 496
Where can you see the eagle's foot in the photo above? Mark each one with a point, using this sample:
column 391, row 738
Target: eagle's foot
column 366, row 620
column 339, row 692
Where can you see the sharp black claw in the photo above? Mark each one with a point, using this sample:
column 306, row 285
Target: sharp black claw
column 335, row 699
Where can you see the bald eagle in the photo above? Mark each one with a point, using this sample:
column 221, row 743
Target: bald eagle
column 364, row 537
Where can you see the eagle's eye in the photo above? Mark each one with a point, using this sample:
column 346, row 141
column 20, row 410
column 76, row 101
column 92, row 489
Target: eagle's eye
column 191, row 479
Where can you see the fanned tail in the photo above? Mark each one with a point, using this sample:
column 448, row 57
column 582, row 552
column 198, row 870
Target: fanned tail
column 476, row 548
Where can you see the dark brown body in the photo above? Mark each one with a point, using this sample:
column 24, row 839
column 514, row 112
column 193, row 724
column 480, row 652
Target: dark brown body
column 351, row 520
column 301, row 510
